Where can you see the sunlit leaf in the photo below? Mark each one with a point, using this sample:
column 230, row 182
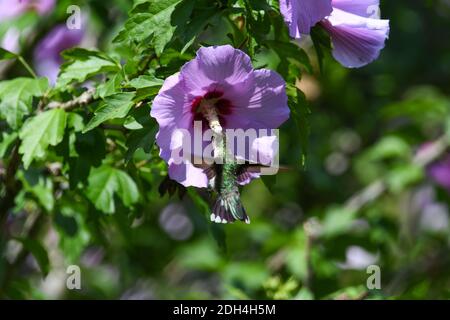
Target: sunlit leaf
column 38, row 133
column 83, row 64
column 105, row 182
column 115, row 106
column 16, row 97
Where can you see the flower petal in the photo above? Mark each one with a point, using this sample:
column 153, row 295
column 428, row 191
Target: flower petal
column 301, row 16
column 188, row 175
column 266, row 108
column 214, row 66
column 363, row 8
column 356, row 40
column 47, row 55
column 440, row 172
column 168, row 109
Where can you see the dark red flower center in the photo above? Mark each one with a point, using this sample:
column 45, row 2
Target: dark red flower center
column 212, row 99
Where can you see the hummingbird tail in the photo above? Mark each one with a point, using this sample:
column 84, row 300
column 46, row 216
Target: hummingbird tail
column 228, row 209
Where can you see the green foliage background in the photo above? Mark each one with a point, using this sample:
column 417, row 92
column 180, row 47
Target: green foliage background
column 82, row 183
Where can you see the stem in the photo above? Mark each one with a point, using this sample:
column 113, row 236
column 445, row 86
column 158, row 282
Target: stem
column 84, row 99
column 27, row 66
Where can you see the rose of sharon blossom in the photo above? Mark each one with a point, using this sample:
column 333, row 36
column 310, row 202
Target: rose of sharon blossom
column 356, row 30
column 47, row 55
column 243, row 98
column 13, row 8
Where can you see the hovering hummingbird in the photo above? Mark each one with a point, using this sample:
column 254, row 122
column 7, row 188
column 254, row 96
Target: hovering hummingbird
column 224, row 176
column 224, row 180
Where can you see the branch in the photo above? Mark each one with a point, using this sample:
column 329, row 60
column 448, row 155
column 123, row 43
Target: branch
column 83, row 99
column 376, row 189
column 11, row 186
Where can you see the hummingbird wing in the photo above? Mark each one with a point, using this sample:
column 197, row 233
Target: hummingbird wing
column 247, row 171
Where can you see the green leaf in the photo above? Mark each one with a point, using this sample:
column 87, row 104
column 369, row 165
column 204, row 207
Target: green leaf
column 39, row 186
column 105, row 182
column 300, row 113
column 403, row 176
column 90, row 149
column 110, row 87
column 146, row 86
column 82, row 65
column 39, row 253
column 291, row 59
column 337, row 221
column 322, row 44
column 201, row 17
column 139, row 118
column 75, row 121
column 115, row 106
column 74, row 234
column 158, row 25
column 6, row 55
column 7, row 140
column 390, row 147
column 140, row 139
column 43, row 191
column 146, row 81
column 47, row 128
column 16, row 98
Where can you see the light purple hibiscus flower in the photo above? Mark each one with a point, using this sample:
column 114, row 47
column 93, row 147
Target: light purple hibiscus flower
column 12, row 8
column 356, row 30
column 242, row 97
column 47, row 55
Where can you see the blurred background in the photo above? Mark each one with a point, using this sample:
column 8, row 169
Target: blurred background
column 373, row 188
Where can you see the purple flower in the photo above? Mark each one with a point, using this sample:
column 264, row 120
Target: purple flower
column 440, row 172
column 356, row 30
column 12, row 8
column 242, row 97
column 47, row 55
column 358, row 258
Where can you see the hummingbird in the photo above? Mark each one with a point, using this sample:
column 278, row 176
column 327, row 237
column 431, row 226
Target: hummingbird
column 224, row 180
column 224, row 172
